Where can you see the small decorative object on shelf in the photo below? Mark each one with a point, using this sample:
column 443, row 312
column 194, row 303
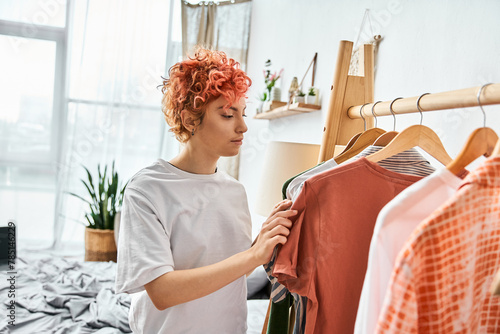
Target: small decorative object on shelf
column 270, row 80
column 271, row 93
column 275, row 94
column 312, row 96
column 300, row 97
column 293, row 90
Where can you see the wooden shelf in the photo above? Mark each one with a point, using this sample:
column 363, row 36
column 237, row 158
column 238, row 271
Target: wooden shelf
column 288, row 110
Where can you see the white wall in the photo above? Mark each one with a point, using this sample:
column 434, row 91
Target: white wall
column 428, row 46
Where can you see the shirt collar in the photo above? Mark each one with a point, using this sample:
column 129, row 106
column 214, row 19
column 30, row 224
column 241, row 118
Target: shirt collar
column 410, row 156
column 486, row 174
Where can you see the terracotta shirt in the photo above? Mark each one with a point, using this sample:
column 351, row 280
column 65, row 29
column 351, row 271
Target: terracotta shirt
column 395, row 223
column 326, row 254
column 442, row 275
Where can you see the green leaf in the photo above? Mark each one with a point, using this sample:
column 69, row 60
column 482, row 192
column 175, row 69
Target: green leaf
column 106, row 196
column 91, row 192
column 109, row 225
column 97, row 221
column 80, row 197
column 91, row 182
column 105, row 212
column 91, row 224
column 120, row 201
column 96, row 216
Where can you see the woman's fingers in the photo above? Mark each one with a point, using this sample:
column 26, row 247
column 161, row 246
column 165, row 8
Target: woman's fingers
column 281, row 217
column 280, row 206
column 286, row 213
column 282, row 229
column 279, row 239
column 275, row 229
column 269, row 239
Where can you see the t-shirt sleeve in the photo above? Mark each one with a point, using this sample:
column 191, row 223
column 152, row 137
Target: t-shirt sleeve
column 144, row 251
column 295, row 264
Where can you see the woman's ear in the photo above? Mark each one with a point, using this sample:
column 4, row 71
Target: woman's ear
column 188, row 120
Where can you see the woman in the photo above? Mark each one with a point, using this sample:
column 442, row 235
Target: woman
column 184, row 245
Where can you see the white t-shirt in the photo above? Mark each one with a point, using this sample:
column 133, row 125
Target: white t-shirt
column 395, row 223
column 295, row 186
column 173, row 220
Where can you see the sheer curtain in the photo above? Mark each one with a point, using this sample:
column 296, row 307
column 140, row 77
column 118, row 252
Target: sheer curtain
column 119, row 50
column 223, row 26
column 32, row 66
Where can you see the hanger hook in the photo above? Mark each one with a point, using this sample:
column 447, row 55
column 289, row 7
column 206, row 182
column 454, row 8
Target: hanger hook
column 479, row 102
column 418, row 107
column 392, row 111
column 373, row 112
column 361, row 114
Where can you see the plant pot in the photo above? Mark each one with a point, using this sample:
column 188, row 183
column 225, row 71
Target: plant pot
column 311, row 99
column 100, row 245
column 299, row 99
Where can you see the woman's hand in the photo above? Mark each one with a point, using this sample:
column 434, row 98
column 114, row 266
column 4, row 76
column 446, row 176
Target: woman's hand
column 181, row 286
column 274, row 231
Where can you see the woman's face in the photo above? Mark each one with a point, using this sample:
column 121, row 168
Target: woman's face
column 221, row 131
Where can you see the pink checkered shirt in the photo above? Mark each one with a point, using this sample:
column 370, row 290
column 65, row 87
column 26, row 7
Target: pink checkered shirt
column 441, row 279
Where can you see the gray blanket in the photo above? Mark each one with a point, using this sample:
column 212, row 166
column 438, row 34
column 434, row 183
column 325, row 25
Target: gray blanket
column 56, row 295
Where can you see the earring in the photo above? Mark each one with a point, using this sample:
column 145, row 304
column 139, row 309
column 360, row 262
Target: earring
column 192, row 132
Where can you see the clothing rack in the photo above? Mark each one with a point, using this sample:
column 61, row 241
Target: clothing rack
column 349, row 93
column 461, row 98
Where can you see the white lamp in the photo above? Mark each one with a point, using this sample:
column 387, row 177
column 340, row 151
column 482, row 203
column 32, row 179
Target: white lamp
column 282, row 161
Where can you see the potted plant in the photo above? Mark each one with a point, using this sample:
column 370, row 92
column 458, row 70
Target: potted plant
column 299, row 97
column 105, row 202
column 270, row 80
column 312, row 96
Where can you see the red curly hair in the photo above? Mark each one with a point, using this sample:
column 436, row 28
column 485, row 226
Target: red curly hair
column 195, row 82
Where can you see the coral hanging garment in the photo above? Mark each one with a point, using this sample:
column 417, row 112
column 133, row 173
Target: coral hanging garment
column 442, row 275
column 326, row 254
column 395, row 223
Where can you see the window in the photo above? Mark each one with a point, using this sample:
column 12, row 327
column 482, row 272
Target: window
column 32, row 40
column 79, row 88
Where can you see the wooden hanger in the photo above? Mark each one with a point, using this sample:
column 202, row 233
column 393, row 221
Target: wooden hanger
column 351, row 142
column 415, row 135
column 364, row 140
column 495, row 285
column 356, row 136
column 496, row 150
column 481, row 142
column 385, row 138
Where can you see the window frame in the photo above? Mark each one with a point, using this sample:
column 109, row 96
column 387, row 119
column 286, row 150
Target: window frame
column 59, row 35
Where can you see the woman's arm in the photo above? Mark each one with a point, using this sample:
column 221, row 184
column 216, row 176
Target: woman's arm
column 180, row 286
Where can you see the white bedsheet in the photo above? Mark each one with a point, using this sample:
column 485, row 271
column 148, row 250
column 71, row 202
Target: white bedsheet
column 62, row 296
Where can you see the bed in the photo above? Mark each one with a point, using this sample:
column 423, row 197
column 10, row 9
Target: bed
column 54, row 294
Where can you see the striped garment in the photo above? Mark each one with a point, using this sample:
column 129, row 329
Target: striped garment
column 408, row 162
